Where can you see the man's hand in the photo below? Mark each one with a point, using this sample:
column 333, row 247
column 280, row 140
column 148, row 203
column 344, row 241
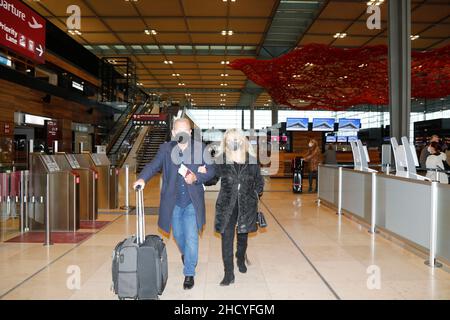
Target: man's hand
column 190, row 178
column 202, row 169
column 140, row 182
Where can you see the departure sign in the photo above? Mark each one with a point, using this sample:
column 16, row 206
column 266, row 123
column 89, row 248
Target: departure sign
column 22, row 30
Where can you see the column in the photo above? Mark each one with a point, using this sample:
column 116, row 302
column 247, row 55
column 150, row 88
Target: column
column 399, row 67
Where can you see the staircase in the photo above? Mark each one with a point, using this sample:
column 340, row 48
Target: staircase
column 147, row 152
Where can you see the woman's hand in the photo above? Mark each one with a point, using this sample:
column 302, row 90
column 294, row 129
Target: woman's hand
column 202, row 169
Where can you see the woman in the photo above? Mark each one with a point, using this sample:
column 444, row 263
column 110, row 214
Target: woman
column 435, row 161
column 237, row 203
column 313, row 159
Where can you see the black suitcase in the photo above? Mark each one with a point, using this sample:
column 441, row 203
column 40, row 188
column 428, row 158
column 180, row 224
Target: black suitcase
column 139, row 265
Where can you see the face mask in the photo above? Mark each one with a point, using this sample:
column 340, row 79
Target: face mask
column 429, row 150
column 181, row 137
column 234, row 145
column 310, row 145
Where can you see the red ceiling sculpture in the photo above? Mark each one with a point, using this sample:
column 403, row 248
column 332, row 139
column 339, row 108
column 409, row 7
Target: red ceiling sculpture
column 324, row 77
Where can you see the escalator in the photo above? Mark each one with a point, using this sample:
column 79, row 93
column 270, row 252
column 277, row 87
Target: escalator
column 124, row 126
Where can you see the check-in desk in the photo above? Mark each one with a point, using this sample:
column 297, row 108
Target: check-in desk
column 108, row 181
column 54, row 190
column 80, row 164
column 413, row 211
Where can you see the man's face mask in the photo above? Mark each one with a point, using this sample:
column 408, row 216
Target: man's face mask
column 234, row 145
column 181, row 136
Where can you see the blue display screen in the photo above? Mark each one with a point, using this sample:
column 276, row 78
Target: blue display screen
column 297, row 124
column 331, row 139
column 323, row 124
column 342, row 139
column 349, row 124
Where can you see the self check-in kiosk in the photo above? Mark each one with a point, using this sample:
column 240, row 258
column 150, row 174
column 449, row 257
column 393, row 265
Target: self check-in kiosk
column 108, row 180
column 54, row 192
column 88, row 185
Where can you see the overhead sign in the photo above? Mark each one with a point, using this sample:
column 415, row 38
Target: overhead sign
column 150, row 119
column 22, row 30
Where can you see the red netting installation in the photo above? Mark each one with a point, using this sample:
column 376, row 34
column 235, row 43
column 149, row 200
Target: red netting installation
column 335, row 78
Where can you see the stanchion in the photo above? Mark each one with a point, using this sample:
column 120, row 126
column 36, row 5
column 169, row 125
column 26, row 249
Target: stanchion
column 127, row 182
column 431, row 262
column 22, row 204
column 340, row 192
column 48, row 240
column 318, row 186
column 374, row 204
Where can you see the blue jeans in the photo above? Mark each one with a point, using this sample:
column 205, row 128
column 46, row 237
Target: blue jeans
column 185, row 232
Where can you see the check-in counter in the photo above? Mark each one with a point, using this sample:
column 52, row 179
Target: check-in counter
column 54, row 194
column 88, row 185
column 108, row 181
column 402, row 207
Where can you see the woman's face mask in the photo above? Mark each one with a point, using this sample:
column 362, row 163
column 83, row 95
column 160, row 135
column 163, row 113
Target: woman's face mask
column 310, row 144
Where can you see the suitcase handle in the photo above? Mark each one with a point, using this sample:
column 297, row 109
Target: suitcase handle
column 140, row 215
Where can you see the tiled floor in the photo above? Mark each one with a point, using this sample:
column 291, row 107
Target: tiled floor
column 307, row 252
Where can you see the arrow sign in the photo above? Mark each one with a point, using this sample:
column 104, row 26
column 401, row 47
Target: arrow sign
column 40, row 50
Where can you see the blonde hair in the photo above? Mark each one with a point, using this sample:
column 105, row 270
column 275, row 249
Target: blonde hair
column 223, row 149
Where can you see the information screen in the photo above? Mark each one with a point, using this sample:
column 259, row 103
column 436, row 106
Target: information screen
column 297, row 124
column 323, row 124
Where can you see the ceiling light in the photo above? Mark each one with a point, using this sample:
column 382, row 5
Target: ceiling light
column 225, row 62
column 224, row 75
column 414, row 37
column 375, row 2
column 340, row 35
column 175, row 74
column 168, row 62
column 227, row 32
column 149, row 32
column 75, row 32
column 224, row 84
column 223, row 94
column 230, row 0
column 181, row 84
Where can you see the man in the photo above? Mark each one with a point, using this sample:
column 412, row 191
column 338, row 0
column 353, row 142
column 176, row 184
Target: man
column 425, row 153
column 182, row 205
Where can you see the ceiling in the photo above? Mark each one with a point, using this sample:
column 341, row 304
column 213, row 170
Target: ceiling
column 188, row 33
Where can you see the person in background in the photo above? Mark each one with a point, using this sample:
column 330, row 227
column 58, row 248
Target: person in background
column 435, row 161
column 313, row 159
column 330, row 155
column 426, row 152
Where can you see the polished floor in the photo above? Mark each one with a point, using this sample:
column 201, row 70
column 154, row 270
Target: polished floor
column 307, row 252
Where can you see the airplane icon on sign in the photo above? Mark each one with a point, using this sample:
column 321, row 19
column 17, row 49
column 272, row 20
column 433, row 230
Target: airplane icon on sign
column 35, row 24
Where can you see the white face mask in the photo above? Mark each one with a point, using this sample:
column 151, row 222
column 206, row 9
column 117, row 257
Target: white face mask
column 310, row 145
column 429, row 150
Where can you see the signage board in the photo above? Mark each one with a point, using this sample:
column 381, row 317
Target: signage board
column 22, row 30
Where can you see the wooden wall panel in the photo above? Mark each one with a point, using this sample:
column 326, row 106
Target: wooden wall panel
column 14, row 98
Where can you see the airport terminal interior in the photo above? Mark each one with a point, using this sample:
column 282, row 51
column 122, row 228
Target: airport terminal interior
column 343, row 104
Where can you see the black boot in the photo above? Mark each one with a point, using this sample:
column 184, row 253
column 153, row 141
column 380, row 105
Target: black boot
column 188, row 283
column 227, row 279
column 241, row 265
column 242, row 240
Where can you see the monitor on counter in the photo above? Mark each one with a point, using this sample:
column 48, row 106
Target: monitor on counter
column 349, row 124
column 331, row 139
column 323, row 124
column 297, row 124
column 352, row 138
column 342, row 139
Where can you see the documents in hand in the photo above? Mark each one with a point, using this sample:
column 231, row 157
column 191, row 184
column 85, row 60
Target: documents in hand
column 184, row 171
